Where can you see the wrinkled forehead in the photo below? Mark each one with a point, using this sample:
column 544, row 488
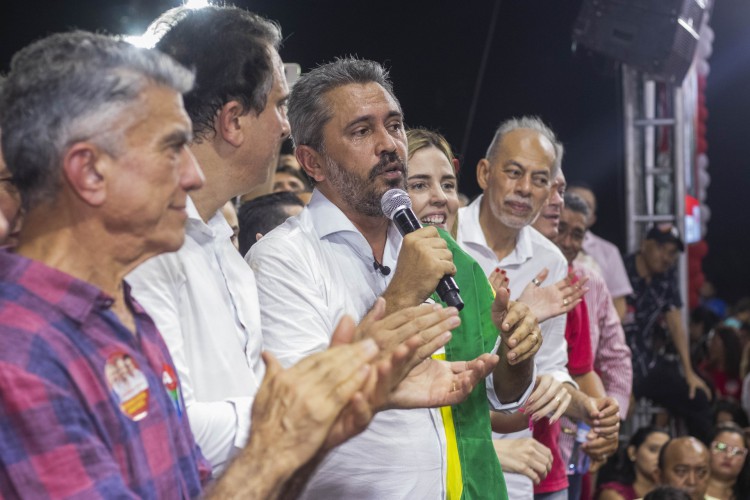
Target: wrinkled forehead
column 360, row 101
column 527, row 147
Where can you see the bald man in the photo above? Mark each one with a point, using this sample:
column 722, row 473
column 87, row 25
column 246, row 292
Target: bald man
column 684, row 464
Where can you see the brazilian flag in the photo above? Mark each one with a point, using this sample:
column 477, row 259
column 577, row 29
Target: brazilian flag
column 473, row 468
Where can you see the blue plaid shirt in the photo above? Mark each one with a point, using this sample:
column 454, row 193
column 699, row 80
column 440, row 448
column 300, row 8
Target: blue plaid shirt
column 63, row 429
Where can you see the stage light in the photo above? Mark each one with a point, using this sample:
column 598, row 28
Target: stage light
column 144, row 41
column 196, row 4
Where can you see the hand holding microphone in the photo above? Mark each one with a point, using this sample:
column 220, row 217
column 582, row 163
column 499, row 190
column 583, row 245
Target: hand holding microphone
column 424, row 255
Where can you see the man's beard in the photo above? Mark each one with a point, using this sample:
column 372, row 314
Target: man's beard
column 362, row 194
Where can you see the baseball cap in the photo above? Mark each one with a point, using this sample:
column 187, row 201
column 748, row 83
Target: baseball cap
column 665, row 233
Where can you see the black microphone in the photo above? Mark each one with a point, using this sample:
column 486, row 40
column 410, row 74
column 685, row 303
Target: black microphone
column 396, row 205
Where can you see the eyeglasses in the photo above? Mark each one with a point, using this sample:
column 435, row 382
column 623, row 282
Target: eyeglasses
column 731, row 451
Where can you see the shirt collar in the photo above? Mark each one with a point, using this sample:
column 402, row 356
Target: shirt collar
column 217, row 226
column 471, row 232
column 73, row 297
column 328, row 219
column 468, row 224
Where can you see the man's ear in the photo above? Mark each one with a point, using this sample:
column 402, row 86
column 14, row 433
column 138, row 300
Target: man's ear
column 483, row 173
column 228, row 124
column 311, row 162
column 85, row 167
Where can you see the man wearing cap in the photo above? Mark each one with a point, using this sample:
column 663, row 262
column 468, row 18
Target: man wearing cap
column 652, row 317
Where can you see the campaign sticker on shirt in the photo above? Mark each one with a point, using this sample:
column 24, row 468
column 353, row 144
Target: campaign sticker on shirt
column 169, row 379
column 129, row 385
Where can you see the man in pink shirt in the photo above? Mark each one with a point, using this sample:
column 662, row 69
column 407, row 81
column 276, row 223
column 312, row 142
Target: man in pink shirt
column 601, row 255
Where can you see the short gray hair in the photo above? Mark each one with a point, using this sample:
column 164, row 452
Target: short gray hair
column 308, row 110
column 576, row 204
column 529, row 122
column 72, row 87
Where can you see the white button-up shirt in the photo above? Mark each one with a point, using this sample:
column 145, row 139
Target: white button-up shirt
column 532, row 253
column 312, row 270
column 204, row 301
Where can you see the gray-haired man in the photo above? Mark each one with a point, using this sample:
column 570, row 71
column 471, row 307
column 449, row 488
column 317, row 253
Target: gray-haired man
column 95, row 134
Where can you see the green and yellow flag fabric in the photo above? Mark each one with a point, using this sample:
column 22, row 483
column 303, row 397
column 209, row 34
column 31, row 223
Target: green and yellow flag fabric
column 473, row 468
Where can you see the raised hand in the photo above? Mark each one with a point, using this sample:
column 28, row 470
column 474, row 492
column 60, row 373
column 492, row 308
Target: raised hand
column 295, row 408
column 550, row 301
column 423, row 260
column 436, row 383
column 519, row 329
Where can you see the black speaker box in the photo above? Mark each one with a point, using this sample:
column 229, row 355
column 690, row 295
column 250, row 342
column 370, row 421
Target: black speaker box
column 658, row 37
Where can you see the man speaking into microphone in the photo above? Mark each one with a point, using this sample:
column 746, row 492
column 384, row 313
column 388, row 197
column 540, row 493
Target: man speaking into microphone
column 341, row 253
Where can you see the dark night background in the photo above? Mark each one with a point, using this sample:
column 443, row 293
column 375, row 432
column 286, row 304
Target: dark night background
column 434, row 50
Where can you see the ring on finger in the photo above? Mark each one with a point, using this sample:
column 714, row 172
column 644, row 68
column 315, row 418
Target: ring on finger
column 536, row 282
column 566, row 301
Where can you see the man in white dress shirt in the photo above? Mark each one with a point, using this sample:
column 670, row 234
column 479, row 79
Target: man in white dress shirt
column 517, row 175
column 203, row 297
column 340, row 254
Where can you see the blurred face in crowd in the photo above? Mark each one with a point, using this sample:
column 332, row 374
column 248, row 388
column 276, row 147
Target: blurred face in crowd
column 364, row 148
column 686, row 467
column 433, row 188
column 728, row 455
column 659, row 257
column 284, row 181
column 570, row 235
column 516, row 182
column 646, row 456
column 588, row 197
column 549, row 219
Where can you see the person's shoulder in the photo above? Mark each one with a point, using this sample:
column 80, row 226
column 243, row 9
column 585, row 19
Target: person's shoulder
column 294, row 236
column 591, row 273
column 542, row 246
column 608, row 248
column 31, row 331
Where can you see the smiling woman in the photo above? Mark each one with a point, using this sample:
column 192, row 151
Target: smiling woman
column 431, row 181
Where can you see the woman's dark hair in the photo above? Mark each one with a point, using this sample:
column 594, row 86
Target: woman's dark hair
column 619, row 467
column 732, row 349
column 725, row 405
column 742, row 484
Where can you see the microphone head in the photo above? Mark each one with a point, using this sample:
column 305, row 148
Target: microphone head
column 394, row 200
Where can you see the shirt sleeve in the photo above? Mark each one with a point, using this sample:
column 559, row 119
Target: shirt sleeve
column 220, row 427
column 50, row 446
column 578, row 337
column 552, row 357
column 616, row 277
column 674, row 300
column 295, row 316
column 494, row 401
column 613, row 359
